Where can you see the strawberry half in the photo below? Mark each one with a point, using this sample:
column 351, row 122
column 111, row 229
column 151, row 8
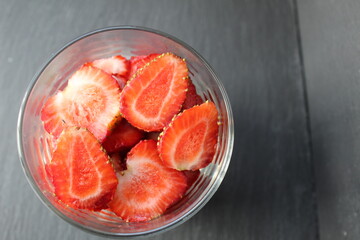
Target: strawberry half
column 81, row 172
column 123, row 136
column 115, row 65
column 147, row 188
column 192, row 98
column 137, row 62
column 155, row 93
column 90, row 100
column 189, row 142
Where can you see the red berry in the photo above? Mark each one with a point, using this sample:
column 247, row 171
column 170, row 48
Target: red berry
column 192, row 98
column 123, row 136
column 81, row 172
column 90, row 100
column 156, row 92
column 137, row 62
column 147, row 188
column 116, row 65
column 189, row 142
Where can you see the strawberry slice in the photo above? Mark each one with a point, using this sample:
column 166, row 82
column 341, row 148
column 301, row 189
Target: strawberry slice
column 192, row 98
column 137, row 62
column 156, row 92
column 147, row 188
column 188, row 143
column 123, row 136
column 115, row 65
column 90, row 100
column 81, row 172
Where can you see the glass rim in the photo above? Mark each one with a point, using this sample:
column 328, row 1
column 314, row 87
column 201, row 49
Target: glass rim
column 214, row 185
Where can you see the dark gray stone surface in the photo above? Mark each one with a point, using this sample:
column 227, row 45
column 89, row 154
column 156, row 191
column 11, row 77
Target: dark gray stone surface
column 330, row 40
column 252, row 45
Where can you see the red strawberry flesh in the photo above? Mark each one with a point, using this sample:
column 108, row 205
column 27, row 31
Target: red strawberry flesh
column 189, row 142
column 156, row 93
column 123, row 136
column 90, row 100
column 192, row 98
column 137, row 62
column 147, row 188
column 116, row 65
column 81, row 172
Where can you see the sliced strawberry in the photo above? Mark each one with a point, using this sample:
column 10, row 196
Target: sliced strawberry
column 192, row 98
column 123, row 136
column 156, row 92
column 116, row 65
column 188, row 143
column 54, row 114
column 90, row 100
column 147, row 188
column 137, row 62
column 191, row 176
column 81, row 172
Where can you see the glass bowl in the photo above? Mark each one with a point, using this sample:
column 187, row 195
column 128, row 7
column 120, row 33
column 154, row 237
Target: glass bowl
column 35, row 145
